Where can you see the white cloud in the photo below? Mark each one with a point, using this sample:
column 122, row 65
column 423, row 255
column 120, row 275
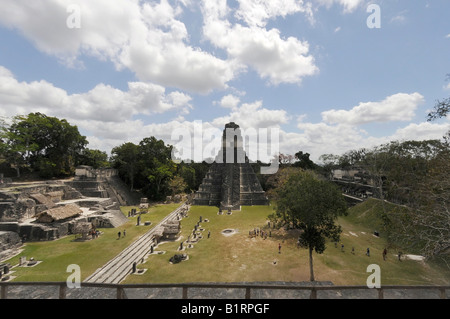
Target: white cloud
column 258, row 12
column 339, row 131
column 253, row 115
column 108, row 117
column 400, row 18
column 397, row 107
column 448, row 36
column 348, row 5
column 146, row 38
column 230, row 101
column 323, row 138
column 447, row 87
column 421, row 131
column 280, row 60
column 151, row 40
column 103, row 103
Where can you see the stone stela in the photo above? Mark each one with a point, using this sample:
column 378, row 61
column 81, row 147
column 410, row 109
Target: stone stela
column 231, row 181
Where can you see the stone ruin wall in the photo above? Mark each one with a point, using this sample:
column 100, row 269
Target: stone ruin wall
column 20, row 204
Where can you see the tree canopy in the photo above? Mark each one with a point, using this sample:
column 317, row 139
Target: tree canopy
column 46, row 144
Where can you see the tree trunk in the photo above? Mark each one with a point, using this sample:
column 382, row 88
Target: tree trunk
column 311, row 269
column 17, row 171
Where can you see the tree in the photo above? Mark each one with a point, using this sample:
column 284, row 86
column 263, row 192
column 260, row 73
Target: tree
column 125, row 159
column 188, row 174
column 177, row 185
column 94, row 158
column 156, row 166
column 425, row 224
column 159, row 175
column 441, row 109
column 330, row 163
column 285, row 159
column 313, row 205
column 277, row 180
column 303, row 161
column 46, row 144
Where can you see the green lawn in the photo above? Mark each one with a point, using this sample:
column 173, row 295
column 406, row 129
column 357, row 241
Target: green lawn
column 234, row 258
column 89, row 255
column 239, row 258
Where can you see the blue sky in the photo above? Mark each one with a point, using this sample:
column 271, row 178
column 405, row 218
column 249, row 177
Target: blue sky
column 311, row 68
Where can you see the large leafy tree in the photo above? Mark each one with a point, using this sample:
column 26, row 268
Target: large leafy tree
column 147, row 166
column 304, row 161
column 156, row 166
column 125, row 158
column 311, row 205
column 46, row 144
column 94, row 158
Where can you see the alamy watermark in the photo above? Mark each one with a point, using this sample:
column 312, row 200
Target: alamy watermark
column 74, row 279
column 198, row 144
column 374, row 19
column 374, row 279
column 73, row 21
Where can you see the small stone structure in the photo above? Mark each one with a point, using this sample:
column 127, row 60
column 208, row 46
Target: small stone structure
column 58, row 214
column 168, row 231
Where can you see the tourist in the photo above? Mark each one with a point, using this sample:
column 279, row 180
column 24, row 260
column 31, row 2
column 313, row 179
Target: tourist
column 400, row 256
column 118, row 235
column 353, row 250
column 368, row 252
column 124, row 233
column 384, row 254
column 342, row 247
column 279, row 248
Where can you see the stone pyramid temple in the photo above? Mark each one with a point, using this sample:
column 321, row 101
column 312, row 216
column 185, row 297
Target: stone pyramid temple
column 231, row 181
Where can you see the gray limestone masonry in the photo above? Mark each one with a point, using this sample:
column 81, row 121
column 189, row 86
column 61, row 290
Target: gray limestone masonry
column 231, row 181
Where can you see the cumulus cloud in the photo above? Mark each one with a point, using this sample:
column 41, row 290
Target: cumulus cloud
column 144, row 37
column 151, row 40
column 397, row 107
column 258, row 12
column 348, row 5
column 278, row 59
column 340, row 131
column 230, row 101
column 323, row 138
column 103, row 103
column 253, row 115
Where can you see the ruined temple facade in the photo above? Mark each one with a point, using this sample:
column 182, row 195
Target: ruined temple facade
column 231, row 181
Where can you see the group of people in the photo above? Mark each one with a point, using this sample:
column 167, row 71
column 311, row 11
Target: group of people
column 94, row 233
column 259, row 232
column 120, row 234
column 384, row 253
